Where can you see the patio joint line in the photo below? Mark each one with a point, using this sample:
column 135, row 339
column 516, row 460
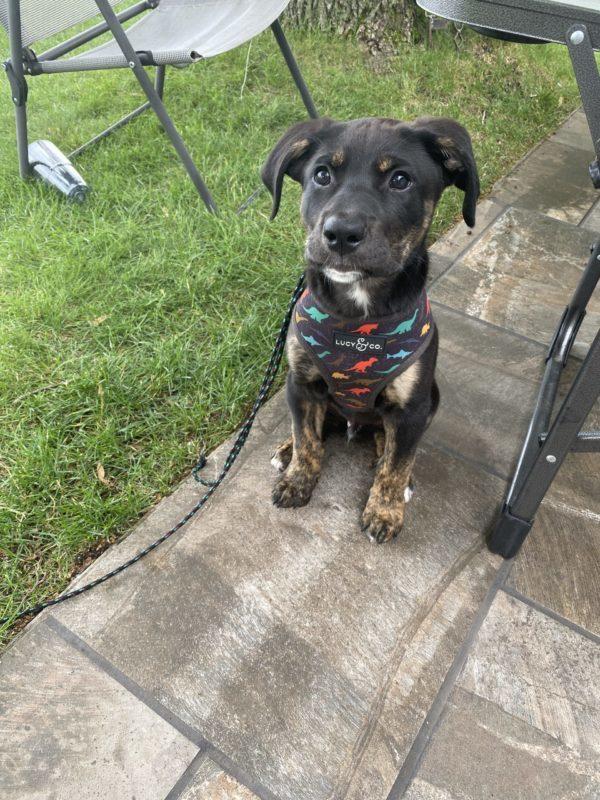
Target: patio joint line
column 410, row 767
column 548, row 612
column 205, row 747
column 474, row 239
column 516, row 334
column 587, row 215
column 481, row 466
column 186, row 776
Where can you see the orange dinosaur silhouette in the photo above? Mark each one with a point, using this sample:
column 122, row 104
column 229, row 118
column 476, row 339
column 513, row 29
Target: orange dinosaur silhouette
column 425, row 328
column 362, row 366
column 339, row 376
column 358, row 391
column 367, row 328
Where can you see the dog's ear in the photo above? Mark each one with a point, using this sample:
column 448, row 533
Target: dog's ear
column 289, row 156
column 450, row 145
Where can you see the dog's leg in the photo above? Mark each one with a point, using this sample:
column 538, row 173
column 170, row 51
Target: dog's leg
column 308, row 408
column 283, row 455
column 383, row 516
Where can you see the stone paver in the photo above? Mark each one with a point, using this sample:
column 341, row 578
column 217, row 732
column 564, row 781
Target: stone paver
column 263, row 654
column 520, row 274
column 524, row 720
column 68, row 730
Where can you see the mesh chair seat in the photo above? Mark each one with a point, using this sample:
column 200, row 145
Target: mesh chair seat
column 180, row 32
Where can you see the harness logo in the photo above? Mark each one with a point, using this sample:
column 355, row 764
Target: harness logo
column 358, row 343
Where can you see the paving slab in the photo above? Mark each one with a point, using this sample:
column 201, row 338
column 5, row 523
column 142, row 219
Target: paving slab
column 553, row 179
column 592, row 220
column 460, row 237
column 210, row 782
column 523, row 722
column 575, row 132
column 287, row 628
column 520, row 275
column 488, row 379
column 68, row 730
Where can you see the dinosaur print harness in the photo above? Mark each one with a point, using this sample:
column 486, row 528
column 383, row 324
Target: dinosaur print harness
column 357, row 360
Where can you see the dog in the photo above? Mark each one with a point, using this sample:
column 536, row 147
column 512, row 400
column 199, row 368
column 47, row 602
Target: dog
column 362, row 344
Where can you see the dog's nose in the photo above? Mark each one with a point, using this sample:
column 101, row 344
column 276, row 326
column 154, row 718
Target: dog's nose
column 343, row 235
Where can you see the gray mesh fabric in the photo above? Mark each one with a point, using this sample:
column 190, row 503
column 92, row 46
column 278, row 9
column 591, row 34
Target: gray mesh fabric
column 41, row 18
column 181, row 32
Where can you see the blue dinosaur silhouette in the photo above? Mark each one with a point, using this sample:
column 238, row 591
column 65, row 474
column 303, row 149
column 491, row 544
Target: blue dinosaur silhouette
column 312, row 340
column 405, row 326
column 324, row 353
column 399, row 354
column 317, row 315
column 387, row 371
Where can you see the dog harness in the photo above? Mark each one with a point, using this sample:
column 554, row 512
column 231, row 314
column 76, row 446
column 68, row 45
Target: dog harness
column 358, row 360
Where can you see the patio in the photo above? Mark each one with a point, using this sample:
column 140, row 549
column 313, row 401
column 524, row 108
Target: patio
column 277, row 654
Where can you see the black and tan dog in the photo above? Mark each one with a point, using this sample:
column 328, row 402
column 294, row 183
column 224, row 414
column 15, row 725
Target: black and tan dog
column 369, row 190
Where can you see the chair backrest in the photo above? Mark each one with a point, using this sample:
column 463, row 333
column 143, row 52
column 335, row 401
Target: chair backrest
column 42, row 18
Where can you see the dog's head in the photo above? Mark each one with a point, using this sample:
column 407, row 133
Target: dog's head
column 370, row 187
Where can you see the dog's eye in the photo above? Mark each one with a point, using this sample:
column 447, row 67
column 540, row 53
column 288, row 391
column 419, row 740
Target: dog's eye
column 400, row 180
column 322, row 176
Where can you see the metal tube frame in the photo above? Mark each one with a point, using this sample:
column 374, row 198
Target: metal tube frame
column 18, row 85
column 294, row 69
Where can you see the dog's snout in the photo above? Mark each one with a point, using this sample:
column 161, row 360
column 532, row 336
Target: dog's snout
column 342, row 234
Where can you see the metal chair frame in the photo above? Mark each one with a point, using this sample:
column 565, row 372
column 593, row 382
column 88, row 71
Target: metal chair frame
column 23, row 62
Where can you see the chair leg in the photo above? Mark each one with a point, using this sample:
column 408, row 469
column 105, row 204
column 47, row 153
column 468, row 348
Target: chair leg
column 542, row 455
column 294, row 69
column 18, row 85
column 159, row 80
column 156, row 103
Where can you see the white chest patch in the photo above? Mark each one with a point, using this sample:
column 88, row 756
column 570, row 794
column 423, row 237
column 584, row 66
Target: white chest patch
column 360, row 297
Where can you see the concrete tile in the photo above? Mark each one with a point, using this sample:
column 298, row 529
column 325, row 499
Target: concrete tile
column 437, row 266
column 520, row 276
column 541, row 672
column 211, row 783
column 553, row 180
column 523, row 721
column 68, row 730
column 592, row 221
column 457, row 240
column 288, row 626
column 575, row 132
column 559, row 564
column 488, row 380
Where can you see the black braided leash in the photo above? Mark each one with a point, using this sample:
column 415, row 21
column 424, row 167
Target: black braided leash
column 240, row 441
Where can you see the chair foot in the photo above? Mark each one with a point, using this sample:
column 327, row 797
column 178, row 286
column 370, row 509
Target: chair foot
column 507, row 534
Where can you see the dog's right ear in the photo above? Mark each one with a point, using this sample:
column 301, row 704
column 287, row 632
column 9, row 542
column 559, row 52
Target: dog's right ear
column 289, row 155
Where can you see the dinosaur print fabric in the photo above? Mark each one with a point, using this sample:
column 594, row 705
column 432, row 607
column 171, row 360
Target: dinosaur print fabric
column 359, row 358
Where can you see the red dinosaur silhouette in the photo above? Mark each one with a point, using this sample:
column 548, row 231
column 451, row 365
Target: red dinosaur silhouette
column 362, row 366
column 358, row 391
column 367, row 328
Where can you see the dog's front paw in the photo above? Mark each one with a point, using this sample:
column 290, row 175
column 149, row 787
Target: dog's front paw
column 283, row 455
column 293, row 490
column 382, row 523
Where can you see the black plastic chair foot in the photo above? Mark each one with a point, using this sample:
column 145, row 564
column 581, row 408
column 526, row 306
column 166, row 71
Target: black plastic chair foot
column 508, row 534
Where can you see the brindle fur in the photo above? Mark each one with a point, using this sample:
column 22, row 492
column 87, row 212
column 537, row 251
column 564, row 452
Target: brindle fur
column 391, row 262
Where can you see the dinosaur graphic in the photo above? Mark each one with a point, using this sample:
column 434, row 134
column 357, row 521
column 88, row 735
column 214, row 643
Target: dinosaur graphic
column 425, row 328
column 427, row 307
column 312, row 340
column 339, row 376
column 354, row 403
column 387, row 371
column 315, row 314
column 337, row 362
column 405, row 326
column 367, row 328
column 358, row 391
column 300, row 318
column 362, row 366
column 324, row 353
column 399, row 354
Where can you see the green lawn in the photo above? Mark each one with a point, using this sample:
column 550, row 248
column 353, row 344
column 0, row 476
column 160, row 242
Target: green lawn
column 134, row 329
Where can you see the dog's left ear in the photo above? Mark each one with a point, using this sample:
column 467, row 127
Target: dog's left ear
column 289, row 155
column 450, row 145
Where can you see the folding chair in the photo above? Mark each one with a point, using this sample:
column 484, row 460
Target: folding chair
column 549, row 439
column 168, row 32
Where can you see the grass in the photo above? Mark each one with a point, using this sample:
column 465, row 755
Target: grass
column 134, row 328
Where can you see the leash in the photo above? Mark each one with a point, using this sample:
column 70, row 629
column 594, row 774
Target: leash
column 240, row 441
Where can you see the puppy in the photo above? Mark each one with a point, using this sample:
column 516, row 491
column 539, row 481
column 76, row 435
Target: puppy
column 362, row 344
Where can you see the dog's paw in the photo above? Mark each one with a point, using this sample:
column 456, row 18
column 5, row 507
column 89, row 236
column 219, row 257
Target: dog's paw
column 283, row 455
column 381, row 524
column 292, row 491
